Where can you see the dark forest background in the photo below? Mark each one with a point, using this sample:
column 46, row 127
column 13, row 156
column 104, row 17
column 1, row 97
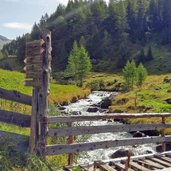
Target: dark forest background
column 112, row 33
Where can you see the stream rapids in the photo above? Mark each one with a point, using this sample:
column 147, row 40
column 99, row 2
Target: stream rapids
column 80, row 107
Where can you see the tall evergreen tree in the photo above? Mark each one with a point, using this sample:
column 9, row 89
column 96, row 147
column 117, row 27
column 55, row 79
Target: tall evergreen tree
column 141, row 74
column 130, row 74
column 78, row 64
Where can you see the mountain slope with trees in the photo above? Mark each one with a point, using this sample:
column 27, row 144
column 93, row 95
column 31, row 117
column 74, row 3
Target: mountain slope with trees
column 3, row 41
column 111, row 33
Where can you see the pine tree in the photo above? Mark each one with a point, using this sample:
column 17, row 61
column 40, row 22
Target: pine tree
column 130, row 74
column 79, row 64
column 84, row 65
column 71, row 70
column 141, row 75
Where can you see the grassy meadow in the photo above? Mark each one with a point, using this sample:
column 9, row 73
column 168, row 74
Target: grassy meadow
column 59, row 94
column 149, row 98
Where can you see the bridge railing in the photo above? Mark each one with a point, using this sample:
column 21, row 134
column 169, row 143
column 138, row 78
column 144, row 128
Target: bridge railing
column 71, row 130
column 14, row 117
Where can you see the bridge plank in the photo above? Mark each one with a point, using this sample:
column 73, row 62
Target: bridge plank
column 72, row 148
column 82, row 130
column 104, row 167
column 137, row 166
column 161, row 162
column 15, row 96
column 163, row 158
column 121, row 166
column 154, row 164
column 15, row 118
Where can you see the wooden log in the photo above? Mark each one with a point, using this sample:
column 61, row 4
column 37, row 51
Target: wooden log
column 66, row 119
column 70, row 140
column 163, row 135
column 82, row 130
column 15, row 96
column 15, row 118
column 75, row 148
column 43, row 96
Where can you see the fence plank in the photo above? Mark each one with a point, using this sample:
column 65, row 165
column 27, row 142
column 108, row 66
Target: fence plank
column 15, row 96
column 67, row 119
column 75, row 148
column 82, row 130
column 15, row 118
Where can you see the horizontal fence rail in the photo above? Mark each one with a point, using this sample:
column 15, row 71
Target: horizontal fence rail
column 82, row 130
column 15, row 118
column 76, row 148
column 15, row 96
column 72, row 118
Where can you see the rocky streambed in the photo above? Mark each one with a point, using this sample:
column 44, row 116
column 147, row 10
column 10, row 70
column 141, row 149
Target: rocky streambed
column 96, row 104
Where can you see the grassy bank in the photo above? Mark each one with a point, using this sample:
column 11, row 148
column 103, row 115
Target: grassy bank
column 151, row 97
column 59, row 94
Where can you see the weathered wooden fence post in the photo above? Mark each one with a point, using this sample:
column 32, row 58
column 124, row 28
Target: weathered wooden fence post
column 43, row 95
column 70, row 140
column 38, row 67
column 163, row 135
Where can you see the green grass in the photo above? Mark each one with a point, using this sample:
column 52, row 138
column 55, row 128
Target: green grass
column 161, row 64
column 149, row 99
column 59, row 94
column 13, row 80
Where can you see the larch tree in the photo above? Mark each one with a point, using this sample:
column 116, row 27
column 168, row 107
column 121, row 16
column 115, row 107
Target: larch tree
column 79, row 64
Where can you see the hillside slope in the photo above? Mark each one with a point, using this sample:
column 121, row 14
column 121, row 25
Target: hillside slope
column 3, row 41
column 112, row 34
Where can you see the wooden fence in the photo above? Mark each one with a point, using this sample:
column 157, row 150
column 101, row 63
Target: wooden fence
column 70, row 131
column 38, row 67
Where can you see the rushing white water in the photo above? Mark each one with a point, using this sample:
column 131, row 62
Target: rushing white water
column 81, row 107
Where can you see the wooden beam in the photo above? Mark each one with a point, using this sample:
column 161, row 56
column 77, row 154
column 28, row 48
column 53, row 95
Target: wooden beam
column 82, row 130
column 15, row 96
column 43, row 96
column 137, row 166
column 104, row 167
column 75, row 148
column 72, row 118
column 15, row 118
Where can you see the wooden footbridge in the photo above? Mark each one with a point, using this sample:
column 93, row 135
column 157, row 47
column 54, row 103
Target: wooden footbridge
column 43, row 127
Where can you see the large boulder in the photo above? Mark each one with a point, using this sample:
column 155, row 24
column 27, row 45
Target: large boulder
column 138, row 134
column 61, row 108
column 106, row 102
column 92, row 109
column 167, row 80
column 76, row 113
column 168, row 100
column 121, row 153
